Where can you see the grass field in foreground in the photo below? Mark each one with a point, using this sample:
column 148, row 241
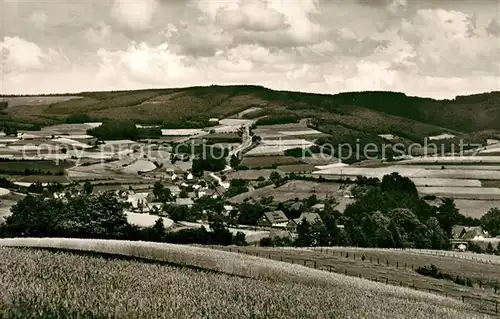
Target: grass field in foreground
column 37, row 283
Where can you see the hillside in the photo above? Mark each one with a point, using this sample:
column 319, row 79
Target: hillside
column 44, row 282
column 348, row 113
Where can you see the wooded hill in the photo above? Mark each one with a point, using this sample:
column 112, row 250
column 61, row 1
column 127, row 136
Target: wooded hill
column 354, row 112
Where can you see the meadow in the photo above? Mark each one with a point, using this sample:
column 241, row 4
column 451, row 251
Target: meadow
column 396, row 267
column 38, row 284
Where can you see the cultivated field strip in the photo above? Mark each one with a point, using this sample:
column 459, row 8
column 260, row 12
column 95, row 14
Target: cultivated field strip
column 446, row 182
column 478, row 193
column 412, row 172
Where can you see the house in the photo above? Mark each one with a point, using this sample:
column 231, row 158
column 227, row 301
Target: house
column 318, row 206
column 184, row 202
column 218, row 191
column 228, row 209
column 275, row 219
column 139, row 202
column 297, row 206
column 311, row 218
column 466, row 232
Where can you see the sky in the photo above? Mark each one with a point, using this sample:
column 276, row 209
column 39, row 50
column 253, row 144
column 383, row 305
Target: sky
column 433, row 48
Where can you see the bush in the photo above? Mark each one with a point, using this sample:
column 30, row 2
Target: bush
column 277, row 119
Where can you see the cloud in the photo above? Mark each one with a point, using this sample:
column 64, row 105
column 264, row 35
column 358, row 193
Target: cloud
column 19, row 55
column 141, row 63
column 198, row 39
column 136, row 14
column 493, row 28
column 445, row 43
column 251, row 15
column 98, row 32
column 271, row 22
column 38, row 19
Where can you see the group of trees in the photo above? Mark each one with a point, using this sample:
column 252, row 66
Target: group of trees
column 277, row 119
column 212, row 159
column 10, row 130
column 89, row 215
column 390, row 214
column 161, row 193
column 123, row 130
column 190, row 122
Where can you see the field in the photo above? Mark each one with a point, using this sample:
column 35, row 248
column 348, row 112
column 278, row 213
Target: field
column 44, row 179
column 16, row 167
column 413, row 172
column 263, row 289
column 476, row 208
column 480, row 193
column 278, row 146
column 37, row 100
column 396, row 267
column 292, row 190
column 298, row 168
column 146, row 220
column 445, row 182
column 251, row 174
column 268, row 161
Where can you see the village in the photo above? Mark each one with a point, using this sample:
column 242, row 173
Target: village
column 162, row 178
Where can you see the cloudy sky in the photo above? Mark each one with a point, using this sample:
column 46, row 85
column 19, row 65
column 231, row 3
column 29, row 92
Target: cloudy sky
column 436, row 48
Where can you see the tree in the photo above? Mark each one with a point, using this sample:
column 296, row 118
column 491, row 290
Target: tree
column 491, row 222
column 489, row 249
column 407, row 230
column 157, row 232
column 235, row 161
column 448, row 215
column 304, row 238
column 88, row 188
column 436, row 235
column 83, row 216
column 239, row 239
column 158, row 189
column 115, row 130
column 275, row 177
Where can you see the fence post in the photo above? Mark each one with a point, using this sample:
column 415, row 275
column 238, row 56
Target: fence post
column 269, row 256
column 230, row 250
column 315, row 266
column 292, row 260
column 387, row 280
column 345, row 272
column 397, row 264
column 405, row 265
column 330, row 268
column 378, row 261
column 387, row 262
column 305, row 262
column 496, row 307
column 463, row 298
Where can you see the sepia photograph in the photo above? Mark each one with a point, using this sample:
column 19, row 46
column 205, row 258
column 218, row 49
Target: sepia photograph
column 233, row 159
